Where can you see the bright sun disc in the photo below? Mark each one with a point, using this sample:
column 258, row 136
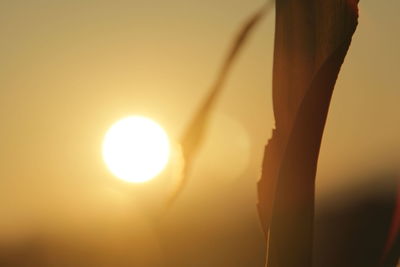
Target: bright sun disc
column 136, row 149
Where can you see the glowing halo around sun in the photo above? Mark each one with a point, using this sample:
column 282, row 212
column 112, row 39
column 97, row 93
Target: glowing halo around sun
column 136, row 149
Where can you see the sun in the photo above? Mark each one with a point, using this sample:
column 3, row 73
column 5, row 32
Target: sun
column 136, row 149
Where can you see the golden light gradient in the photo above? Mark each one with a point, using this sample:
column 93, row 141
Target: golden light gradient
column 136, row 149
column 70, row 69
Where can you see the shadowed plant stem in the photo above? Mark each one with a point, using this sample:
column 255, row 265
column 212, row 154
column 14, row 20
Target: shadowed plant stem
column 311, row 41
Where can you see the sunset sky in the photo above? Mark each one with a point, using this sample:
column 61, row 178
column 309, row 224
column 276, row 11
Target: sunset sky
column 70, row 69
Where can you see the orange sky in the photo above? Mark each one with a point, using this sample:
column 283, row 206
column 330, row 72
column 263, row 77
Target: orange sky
column 69, row 69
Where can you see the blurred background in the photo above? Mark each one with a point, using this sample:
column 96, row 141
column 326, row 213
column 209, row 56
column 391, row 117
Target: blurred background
column 70, row 69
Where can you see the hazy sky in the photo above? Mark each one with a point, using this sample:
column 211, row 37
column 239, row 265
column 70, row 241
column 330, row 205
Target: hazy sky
column 69, row 69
